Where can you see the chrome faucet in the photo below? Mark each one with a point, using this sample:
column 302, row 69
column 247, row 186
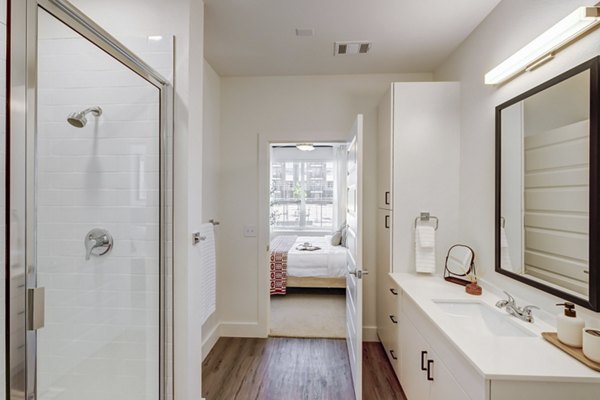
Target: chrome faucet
column 523, row 313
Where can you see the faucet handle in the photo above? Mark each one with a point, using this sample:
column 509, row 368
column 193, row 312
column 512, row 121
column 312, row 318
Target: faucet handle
column 97, row 239
column 90, row 244
column 504, row 303
column 511, row 299
column 526, row 313
column 527, row 309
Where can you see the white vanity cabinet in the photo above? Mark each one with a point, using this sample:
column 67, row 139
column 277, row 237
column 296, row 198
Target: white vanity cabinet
column 440, row 361
column 423, row 374
column 389, row 321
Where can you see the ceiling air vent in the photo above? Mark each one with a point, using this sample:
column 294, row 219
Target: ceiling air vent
column 351, row 48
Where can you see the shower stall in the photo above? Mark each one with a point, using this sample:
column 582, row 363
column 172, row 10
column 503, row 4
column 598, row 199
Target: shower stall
column 88, row 296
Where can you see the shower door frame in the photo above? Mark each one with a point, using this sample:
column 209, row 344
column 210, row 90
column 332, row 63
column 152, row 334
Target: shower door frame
column 22, row 38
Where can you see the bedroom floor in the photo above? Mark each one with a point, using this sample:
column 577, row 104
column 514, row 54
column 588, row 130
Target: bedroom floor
column 308, row 315
column 286, row 368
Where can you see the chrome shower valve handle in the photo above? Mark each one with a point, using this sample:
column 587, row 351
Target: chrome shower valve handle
column 98, row 242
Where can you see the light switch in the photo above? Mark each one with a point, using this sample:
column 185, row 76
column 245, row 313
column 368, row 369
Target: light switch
column 249, row 231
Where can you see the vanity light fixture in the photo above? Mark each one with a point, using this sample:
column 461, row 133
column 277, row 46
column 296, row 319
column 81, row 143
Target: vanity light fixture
column 542, row 48
column 305, row 146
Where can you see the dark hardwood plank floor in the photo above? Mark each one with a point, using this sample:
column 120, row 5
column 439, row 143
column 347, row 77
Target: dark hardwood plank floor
column 293, row 369
column 379, row 378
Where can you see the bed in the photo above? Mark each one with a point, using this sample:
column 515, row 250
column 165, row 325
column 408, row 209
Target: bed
column 292, row 267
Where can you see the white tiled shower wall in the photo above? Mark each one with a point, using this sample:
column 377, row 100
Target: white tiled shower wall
column 101, row 338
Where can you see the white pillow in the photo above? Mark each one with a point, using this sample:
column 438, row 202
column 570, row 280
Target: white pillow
column 336, row 238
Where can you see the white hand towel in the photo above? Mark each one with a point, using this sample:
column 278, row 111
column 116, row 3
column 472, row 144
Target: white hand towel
column 505, row 262
column 425, row 249
column 425, row 236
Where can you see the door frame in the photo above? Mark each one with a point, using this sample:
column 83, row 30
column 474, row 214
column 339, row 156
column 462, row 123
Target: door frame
column 21, row 125
column 264, row 165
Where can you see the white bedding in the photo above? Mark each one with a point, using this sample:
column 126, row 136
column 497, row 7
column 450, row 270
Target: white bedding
column 329, row 261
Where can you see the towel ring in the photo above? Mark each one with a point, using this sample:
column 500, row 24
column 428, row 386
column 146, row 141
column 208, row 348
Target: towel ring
column 425, row 217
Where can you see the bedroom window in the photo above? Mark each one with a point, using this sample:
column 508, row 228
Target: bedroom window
column 303, row 195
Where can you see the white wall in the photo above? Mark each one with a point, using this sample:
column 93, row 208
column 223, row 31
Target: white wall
column 211, row 164
column 297, row 108
column 509, row 27
column 185, row 20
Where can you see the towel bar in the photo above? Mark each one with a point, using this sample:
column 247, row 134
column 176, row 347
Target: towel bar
column 426, row 217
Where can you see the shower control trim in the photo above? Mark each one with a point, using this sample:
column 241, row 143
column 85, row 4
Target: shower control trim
column 98, row 242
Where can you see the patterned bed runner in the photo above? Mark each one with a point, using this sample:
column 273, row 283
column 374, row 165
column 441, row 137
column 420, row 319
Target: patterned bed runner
column 279, row 254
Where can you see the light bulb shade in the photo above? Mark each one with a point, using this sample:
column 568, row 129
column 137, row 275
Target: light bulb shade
column 305, row 147
column 566, row 30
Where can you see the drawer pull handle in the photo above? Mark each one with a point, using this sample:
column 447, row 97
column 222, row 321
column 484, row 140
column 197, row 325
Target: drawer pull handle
column 393, row 318
column 387, row 198
column 387, row 222
column 394, row 291
column 429, row 370
column 393, row 355
column 423, row 355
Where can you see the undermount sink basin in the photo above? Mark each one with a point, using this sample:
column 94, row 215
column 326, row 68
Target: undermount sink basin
column 477, row 317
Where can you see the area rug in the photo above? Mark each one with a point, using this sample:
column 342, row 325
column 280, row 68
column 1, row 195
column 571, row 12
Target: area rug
column 309, row 316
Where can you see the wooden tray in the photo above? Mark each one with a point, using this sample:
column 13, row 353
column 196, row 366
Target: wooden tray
column 572, row 351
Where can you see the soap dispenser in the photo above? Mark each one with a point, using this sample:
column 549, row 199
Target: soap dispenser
column 570, row 327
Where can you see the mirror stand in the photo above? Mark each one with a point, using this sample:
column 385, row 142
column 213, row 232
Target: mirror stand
column 460, row 263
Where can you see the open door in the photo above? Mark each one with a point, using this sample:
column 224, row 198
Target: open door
column 354, row 287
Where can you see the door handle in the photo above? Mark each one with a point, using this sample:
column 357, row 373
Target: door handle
column 393, row 355
column 36, row 308
column 430, row 370
column 387, row 222
column 393, row 318
column 387, row 198
column 394, row 291
column 423, row 354
column 359, row 273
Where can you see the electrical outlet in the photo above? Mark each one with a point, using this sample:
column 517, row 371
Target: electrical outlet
column 249, row 231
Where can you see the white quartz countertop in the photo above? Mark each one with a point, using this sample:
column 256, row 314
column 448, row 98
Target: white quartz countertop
column 495, row 357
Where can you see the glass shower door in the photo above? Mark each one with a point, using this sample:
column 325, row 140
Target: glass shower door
column 96, row 244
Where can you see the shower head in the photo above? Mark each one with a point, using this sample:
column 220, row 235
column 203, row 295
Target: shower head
column 78, row 119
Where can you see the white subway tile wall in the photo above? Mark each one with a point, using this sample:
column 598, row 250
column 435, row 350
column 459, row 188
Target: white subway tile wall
column 2, row 195
column 101, row 339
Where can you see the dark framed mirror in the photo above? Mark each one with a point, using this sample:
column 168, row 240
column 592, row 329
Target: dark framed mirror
column 547, row 214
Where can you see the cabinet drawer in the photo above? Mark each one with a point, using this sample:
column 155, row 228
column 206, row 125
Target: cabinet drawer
column 463, row 373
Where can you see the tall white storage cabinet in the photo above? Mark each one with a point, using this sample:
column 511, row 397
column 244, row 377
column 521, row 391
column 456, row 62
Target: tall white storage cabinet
column 418, row 170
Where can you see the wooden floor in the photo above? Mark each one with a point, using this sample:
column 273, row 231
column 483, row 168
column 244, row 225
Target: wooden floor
column 293, row 369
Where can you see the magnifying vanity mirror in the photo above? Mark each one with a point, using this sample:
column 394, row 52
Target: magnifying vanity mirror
column 460, row 264
column 547, row 182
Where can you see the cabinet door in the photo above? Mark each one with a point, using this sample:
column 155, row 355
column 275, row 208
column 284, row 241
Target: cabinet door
column 392, row 322
column 413, row 366
column 383, row 257
column 384, row 152
column 443, row 385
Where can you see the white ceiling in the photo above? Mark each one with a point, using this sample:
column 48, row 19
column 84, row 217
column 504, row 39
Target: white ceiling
column 257, row 37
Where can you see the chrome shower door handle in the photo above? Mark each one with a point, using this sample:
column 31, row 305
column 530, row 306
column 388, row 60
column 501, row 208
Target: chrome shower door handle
column 99, row 239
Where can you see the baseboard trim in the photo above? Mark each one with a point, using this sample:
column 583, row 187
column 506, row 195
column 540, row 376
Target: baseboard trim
column 370, row 334
column 209, row 342
column 255, row 330
column 242, row 329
